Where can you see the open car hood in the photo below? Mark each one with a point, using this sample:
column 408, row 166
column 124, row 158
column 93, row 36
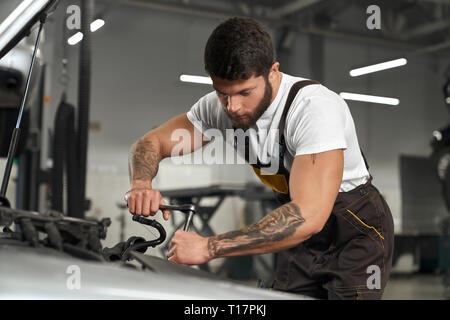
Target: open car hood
column 19, row 23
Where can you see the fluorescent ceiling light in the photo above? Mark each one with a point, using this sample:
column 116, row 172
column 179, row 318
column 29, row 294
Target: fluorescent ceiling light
column 97, row 24
column 367, row 98
column 77, row 37
column 73, row 40
column 378, row 67
column 195, row 79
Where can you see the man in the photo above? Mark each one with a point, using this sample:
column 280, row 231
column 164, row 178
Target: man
column 333, row 231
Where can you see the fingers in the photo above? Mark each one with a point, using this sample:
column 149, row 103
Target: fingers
column 131, row 204
column 188, row 248
column 166, row 213
column 138, row 204
column 173, row 247
column 144, row 202
column 145, row 205
column 171, row 254
column 154, row 203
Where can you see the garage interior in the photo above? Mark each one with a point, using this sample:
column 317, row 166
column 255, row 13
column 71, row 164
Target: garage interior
column 124, row 79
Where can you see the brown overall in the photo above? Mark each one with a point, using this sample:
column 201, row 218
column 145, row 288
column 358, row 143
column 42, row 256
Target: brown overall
column 351, row 257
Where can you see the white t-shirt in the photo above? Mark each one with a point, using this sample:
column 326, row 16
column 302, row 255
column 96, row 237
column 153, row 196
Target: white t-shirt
column 318, row 120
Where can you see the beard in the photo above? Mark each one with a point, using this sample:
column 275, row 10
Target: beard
column 260, row 109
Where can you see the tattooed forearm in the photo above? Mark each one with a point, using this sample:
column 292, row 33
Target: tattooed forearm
column 276, row 226
column 144, row 160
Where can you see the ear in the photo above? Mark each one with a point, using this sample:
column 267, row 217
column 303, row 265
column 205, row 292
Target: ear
column 274, row 70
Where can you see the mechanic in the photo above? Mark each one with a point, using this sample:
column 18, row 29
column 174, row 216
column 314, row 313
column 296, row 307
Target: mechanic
column 333, row 231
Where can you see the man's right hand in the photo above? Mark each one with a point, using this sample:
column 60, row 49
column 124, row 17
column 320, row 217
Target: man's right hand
column 145, row 156
column 145, row 201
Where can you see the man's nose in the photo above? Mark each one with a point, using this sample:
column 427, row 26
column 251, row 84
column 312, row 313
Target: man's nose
column 233, row 104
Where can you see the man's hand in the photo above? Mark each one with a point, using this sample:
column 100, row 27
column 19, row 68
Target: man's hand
column 189, row 248
column 145, row 156
column 145, row 201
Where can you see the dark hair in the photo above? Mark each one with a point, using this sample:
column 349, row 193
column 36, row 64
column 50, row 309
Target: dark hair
column 239, row 48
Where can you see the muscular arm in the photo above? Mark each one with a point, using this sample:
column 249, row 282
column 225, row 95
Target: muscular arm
column 146, row 153
column 314, row 184
column 271, row 233
column 143, row 161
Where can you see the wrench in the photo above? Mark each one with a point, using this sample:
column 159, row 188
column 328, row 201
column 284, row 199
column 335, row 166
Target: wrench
column 189, row 209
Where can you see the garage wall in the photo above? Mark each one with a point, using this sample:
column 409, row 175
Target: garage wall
column 386, row 132
column 137, row 59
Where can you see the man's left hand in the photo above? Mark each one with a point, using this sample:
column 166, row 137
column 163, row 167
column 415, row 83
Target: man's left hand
column 189, row 248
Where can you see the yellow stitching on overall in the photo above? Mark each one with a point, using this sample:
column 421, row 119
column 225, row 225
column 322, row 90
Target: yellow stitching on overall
column 367, row 226
column 275, row 181
column 380, row 243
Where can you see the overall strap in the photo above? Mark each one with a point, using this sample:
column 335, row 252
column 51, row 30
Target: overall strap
column 292, row 94
column 280, row 182
column 365, row 160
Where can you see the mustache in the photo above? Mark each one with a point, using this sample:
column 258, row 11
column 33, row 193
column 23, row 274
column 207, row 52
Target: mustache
column 251, row 118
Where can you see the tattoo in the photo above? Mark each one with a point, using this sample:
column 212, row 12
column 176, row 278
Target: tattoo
column 144, row 161
column 313, row 157
column 276, row 226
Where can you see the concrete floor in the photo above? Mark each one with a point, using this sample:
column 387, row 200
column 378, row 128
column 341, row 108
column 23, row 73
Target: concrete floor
column 406, row 286
column 403, row 286
column 414, row 286
column 407, row 283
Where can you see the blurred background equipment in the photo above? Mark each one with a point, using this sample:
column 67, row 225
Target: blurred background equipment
column 441, row 160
